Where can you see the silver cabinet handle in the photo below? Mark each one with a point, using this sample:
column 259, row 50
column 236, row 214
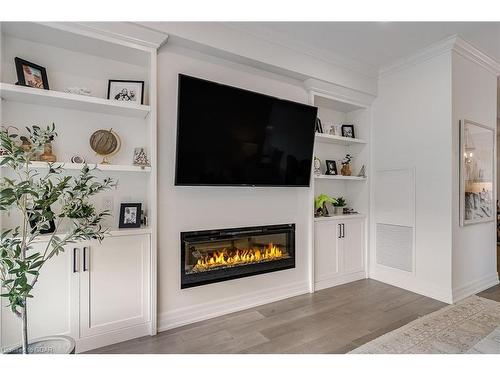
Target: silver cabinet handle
column 76, row 265
column 85, row 260
column 340, row 230
column 343, row 230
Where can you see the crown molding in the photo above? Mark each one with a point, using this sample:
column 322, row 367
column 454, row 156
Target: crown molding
column 452, row 44
column 126, row 32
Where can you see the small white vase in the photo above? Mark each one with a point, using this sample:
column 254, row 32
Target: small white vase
column 338, row 210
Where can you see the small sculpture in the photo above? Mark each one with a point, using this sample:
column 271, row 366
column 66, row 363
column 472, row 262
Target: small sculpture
column 317, row 166
column 140, row 157
column 346, row 166
column 47, row 155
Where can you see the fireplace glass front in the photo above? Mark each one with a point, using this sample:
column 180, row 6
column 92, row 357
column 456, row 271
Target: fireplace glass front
column 224, row 254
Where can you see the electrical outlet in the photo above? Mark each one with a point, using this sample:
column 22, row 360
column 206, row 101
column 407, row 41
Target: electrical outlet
column 108, row 203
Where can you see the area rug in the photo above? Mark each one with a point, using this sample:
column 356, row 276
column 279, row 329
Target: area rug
column 468, row 326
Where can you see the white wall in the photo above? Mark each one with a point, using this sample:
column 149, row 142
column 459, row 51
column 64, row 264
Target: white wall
column 196, row 208
column 412, row 129
column 232, row 44
column 474, row 246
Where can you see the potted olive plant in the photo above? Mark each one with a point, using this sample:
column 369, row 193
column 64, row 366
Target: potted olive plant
column 33, row 196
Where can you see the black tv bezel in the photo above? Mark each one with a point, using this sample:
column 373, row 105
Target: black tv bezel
column 177, row 183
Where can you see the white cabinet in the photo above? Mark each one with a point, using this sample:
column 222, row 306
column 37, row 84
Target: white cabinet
column 113, row 280
column 51, row 311
column 96, row 293
column 339, row 251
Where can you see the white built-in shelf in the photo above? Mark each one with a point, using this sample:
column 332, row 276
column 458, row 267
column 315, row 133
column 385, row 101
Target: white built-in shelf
column 337, row 139
column 113, row 232
column 29, row 95
column 339, row 217
column 129, row 231
column 100, row 167
column 339, row 177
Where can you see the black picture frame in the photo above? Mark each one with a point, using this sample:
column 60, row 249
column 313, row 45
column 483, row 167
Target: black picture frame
column 331, row 168
column 21, row 77
column 124, row 221
column 348, row 131
column 319, row 127
column 124, row 81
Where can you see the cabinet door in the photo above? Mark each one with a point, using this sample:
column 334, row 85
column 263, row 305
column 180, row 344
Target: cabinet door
column 326, row 250
column 53, row 310
column 353, row 249
column 114, row 285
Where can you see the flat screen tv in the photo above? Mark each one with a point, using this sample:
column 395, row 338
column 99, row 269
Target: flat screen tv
column 227, row 136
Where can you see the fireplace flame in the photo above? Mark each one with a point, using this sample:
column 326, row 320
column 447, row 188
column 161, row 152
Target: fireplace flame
column 232, row 258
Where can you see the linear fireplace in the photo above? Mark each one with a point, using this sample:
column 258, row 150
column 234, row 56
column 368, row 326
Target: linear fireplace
column 211, row 256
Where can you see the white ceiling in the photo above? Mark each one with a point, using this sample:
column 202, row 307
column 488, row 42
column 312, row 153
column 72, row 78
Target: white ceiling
column 366, row 47
column 372, row 44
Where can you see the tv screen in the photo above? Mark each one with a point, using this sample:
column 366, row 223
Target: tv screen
column 229, row 136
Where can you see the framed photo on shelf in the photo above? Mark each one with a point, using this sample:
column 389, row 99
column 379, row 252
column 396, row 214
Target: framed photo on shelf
column 477, row 168
column 31, row 75
column 331, row 167
column 126, row 91
column 130, row 215
column 348, row 131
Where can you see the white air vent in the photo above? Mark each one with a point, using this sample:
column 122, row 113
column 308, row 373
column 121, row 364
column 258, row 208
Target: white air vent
column 395, row 246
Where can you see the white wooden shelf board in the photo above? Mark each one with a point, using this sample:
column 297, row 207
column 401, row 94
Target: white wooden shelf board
column 100, row 167
column 339, row 217
column 29, row 95
column 336, row 139
column 340, row 177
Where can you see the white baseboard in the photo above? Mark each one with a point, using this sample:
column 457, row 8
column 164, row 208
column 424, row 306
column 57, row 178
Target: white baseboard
column 338, row 280
column 474, row 287
column 408, row 281
column 109, row 338
column 203, row 311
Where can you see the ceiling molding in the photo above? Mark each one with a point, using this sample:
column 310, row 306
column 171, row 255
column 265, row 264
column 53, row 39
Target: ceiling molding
column 454, row 43
column 127, row 32
column 470, row 52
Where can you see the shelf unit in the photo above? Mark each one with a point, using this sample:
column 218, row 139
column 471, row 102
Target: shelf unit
column 335, row 107
column 339, row 217
column 99, row 167
column 339, row 177
column 28, row 95
column 338, row 140
column 75, row 54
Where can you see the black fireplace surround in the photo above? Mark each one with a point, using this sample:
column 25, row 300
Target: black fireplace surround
column 211, row 256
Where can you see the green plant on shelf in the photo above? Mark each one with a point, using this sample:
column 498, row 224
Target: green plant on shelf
column 320, row 204
column 31, row 195
column 339, row 202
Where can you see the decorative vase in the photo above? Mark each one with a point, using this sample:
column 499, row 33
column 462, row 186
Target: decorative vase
column 346, row 170
column 48, row 345
column 338, row 210
column 322, row 211
column 47, row 155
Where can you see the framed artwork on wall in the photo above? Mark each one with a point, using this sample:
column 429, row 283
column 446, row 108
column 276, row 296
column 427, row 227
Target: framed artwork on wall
column 477, row 173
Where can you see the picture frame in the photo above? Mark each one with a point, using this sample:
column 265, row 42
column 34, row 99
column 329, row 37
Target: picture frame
column 348, row 131
column 477, row 173
column 331, row 168
column 31, row 75
column 319, row 127
column 126, row 91
column 130, row 215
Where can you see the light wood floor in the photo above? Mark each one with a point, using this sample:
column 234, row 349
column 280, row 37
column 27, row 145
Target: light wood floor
column 334, row 320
